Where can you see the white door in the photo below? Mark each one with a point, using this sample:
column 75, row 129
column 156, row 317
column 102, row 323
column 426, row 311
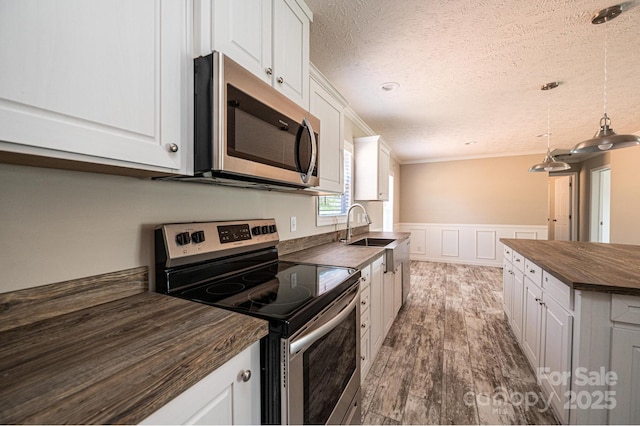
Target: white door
column 600, row 205
column 562, row 208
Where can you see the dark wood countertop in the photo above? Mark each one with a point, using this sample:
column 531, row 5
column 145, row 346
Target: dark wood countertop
column 115, row 362
column 585, row 266
column 340, row 254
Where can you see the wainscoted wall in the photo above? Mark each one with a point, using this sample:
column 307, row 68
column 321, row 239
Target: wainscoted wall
column 467, row 244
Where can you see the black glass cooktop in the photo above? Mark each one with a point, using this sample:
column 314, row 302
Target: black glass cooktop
column 276, row 291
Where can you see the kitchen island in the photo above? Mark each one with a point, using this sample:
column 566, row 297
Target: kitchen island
column 574, row 309
column 585, row 266
column 111, row 362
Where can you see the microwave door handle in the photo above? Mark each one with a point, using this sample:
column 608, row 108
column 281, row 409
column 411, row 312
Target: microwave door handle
column 306, row 176
column 307, row 340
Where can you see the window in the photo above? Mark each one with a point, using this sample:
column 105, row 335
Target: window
column 333, row 208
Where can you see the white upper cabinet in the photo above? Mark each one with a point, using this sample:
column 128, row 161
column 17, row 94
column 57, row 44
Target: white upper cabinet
column 242, row 30
column 328, row 106
column 270, row 38
column 372, row 160
column 106, row 81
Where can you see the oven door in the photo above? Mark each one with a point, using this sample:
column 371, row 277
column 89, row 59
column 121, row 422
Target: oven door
column 322, row 382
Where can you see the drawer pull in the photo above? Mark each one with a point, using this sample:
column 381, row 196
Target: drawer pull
column 364, row 302
column 532, row 271
column 363, row 325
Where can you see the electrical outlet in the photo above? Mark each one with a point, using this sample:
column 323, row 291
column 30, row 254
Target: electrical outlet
column 293, row 224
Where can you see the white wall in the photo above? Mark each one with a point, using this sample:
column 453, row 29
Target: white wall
column 59, row 225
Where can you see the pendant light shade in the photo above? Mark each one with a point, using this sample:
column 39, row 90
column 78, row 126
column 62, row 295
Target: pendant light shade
column 605, row 138
column 549, row 164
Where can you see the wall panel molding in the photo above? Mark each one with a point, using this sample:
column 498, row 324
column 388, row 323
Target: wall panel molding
column 471, row 244
column 450, row 242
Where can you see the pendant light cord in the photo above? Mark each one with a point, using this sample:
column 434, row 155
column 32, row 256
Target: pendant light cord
column 548, row 123
column 605, row 66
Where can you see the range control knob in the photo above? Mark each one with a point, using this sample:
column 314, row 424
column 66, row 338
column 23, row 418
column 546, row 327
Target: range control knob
column 272, row 229
column 197, row 237
column 183, row 238
column 264, row 229
column 255, row 230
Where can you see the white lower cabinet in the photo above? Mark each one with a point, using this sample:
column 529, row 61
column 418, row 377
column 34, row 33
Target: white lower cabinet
column 625, row 359
column 555, row 353
column 365, row 322
column 532, row 322
column 388, row 304
column 517, row 304
column 381, row 299
column 377, row 303
column 507, row 289
column 543, row 328
column 397, row 290
column 223, row 397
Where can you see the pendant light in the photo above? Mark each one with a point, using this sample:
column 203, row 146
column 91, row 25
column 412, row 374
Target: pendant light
column 549, row 164
column 605, row 138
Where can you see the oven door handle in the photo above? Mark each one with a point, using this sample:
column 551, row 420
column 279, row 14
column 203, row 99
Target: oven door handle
column 309, row 339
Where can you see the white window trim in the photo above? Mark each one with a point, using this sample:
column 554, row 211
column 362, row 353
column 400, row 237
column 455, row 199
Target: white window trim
column 327, row 220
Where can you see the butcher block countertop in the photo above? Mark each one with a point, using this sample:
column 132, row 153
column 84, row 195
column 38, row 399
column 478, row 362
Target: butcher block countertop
column 585, row 266
column 341, row 254
column 115, row 362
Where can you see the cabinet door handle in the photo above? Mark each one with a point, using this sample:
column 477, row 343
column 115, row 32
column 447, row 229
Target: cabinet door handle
column 363, row 325
column 173, row 147
column 269, row 71
column 537, row 300
column 245, row 375
column 532, row 271
column 280, row 80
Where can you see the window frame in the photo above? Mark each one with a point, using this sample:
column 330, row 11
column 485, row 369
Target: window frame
column 325, row 220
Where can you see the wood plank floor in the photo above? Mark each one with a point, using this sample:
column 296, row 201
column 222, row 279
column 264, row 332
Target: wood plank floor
column 449, row 357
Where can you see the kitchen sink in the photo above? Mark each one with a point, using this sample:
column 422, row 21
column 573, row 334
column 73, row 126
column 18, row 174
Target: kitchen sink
column 372, row 242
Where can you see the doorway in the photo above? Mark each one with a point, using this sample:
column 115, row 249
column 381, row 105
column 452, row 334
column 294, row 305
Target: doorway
column 387, row 209
column 562, row 206
column 600, row 213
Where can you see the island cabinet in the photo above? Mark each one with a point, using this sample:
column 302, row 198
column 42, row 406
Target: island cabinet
column 583, row 343
column 229, row 395
column 507, row 284
column 625, row 359
column 97, row 86
column 270, row 38
column 372, row 162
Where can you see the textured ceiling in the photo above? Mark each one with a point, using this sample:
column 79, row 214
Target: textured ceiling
column 471, row 70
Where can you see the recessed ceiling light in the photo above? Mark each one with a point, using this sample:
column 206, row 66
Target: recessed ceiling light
column 389, row 86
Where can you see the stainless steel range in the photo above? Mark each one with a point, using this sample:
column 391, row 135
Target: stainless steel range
column 310, row 360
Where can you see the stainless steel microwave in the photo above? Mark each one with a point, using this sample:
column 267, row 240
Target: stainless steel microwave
column 247, row 133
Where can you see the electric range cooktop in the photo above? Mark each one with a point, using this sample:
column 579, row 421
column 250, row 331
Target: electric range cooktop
column 275, row 291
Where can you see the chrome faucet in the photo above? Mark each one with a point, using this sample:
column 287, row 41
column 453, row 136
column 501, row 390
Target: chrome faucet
column 366, row 218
